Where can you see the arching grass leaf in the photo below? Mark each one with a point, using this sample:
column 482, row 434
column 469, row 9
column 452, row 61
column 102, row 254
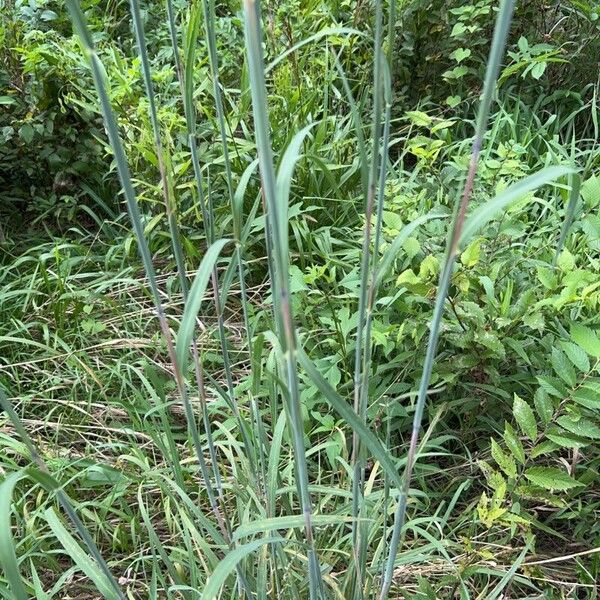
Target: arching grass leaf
column 228, row 564
column 483, row 214
column 8, row 557
column 195, row 297
column 81, row 559
column 347, row 413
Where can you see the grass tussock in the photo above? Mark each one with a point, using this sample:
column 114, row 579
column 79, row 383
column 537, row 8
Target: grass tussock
column 337, row 346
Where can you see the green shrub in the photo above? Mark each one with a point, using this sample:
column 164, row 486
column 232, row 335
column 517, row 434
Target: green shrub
column 48, row 146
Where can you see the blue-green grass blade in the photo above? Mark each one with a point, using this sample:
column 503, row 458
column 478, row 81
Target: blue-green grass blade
column 347, row 413
column 194, row 300
column 358, row 125
column 285, row 522
column 189, row 52
column 8, row 557
column 226, row 567
column 502, row 26
column 174, row 43
column 483, row 214
column 79, row 557
column 164, row 162
column 278, row 269
column 99, row 77
column 328, row 31
column 284, row 181
column 575, row 181
column 238, row 197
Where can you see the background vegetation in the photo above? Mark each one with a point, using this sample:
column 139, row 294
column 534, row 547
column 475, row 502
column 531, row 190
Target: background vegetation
column 175, row 444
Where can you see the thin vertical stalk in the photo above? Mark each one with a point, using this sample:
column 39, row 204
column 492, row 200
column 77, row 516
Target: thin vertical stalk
column 169, row 201
column 501, row 29
column 279, row 258
column 358, row 126
column 170, row 208
column 575, row 188
column 144, row 250
column 175, row 44
column 391, row 37
column 190, row 115
column 575, row 185
column 360, row 400
column 198, row 368
column 219, row 309
column 209, row 28
column 371, row 298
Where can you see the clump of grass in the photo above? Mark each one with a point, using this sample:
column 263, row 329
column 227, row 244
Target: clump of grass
column 100, row 572
column 275, row 192
column 251, row 501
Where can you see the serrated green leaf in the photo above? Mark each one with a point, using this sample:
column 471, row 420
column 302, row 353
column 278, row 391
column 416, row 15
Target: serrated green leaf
column 535, row 320
column 503, row 460
column 470, row 255
column 543, row 405
column 586, row 339
column 498, row 484
column 590, row 191
column 566, row 261
column 553, row 386
column 419, row 118
column 537, row 493
column 590, row 225
column 407, row 277
column 562, row 367
column 486, row 469
column 525, row 418
column 577, row 356
column 547, row 277
column 565, row 439
column 583, row 427
column 517, row 346
column 550, row 478
column 546, row 447
column 588, row 395
column 390, row 254
column 412, row 247
column 513, row 443
column 429, row 267
column 491, row 341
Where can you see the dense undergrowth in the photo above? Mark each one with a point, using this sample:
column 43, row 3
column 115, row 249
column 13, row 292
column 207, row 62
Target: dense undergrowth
column 183, row 465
